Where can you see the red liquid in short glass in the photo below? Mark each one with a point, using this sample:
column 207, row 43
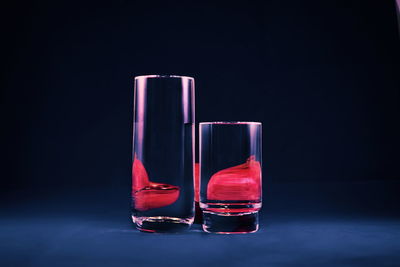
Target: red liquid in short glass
column 236, row 189
column 198, row 213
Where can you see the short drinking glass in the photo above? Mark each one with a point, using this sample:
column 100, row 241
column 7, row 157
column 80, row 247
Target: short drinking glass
column 230, row 176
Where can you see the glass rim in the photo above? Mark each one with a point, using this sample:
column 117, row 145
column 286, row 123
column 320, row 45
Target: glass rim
column 162, row 76
column 230, row 123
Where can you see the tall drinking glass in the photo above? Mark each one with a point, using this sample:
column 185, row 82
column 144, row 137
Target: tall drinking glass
column 163, row 153
column 230, row 176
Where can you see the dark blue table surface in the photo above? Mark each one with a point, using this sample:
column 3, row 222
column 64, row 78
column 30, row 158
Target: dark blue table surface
column 304, row 231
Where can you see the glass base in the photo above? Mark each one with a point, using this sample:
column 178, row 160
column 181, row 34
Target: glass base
column 162, row 224
column 230, row 224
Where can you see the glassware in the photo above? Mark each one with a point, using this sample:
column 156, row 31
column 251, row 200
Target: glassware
column 198, row 218
column 163, row 153
column 230, row 176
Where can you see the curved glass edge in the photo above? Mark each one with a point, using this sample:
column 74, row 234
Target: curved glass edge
column 162, row 76
column 231, row 122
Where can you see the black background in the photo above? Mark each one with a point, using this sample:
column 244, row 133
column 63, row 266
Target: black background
column 322, row 77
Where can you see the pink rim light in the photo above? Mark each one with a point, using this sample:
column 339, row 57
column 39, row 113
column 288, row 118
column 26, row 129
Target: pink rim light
column 231, row 122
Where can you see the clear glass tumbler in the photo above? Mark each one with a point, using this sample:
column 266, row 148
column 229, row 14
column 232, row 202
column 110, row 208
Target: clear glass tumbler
column 163, row 153
column 230, row 176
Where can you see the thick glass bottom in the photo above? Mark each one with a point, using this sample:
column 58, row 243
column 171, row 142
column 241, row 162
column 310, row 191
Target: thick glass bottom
column 223, row 223
column 162, row 224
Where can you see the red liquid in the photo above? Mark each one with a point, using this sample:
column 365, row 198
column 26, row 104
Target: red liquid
column 196, row 183
column 198, row 218
column 241, row 182
column 149, row 195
